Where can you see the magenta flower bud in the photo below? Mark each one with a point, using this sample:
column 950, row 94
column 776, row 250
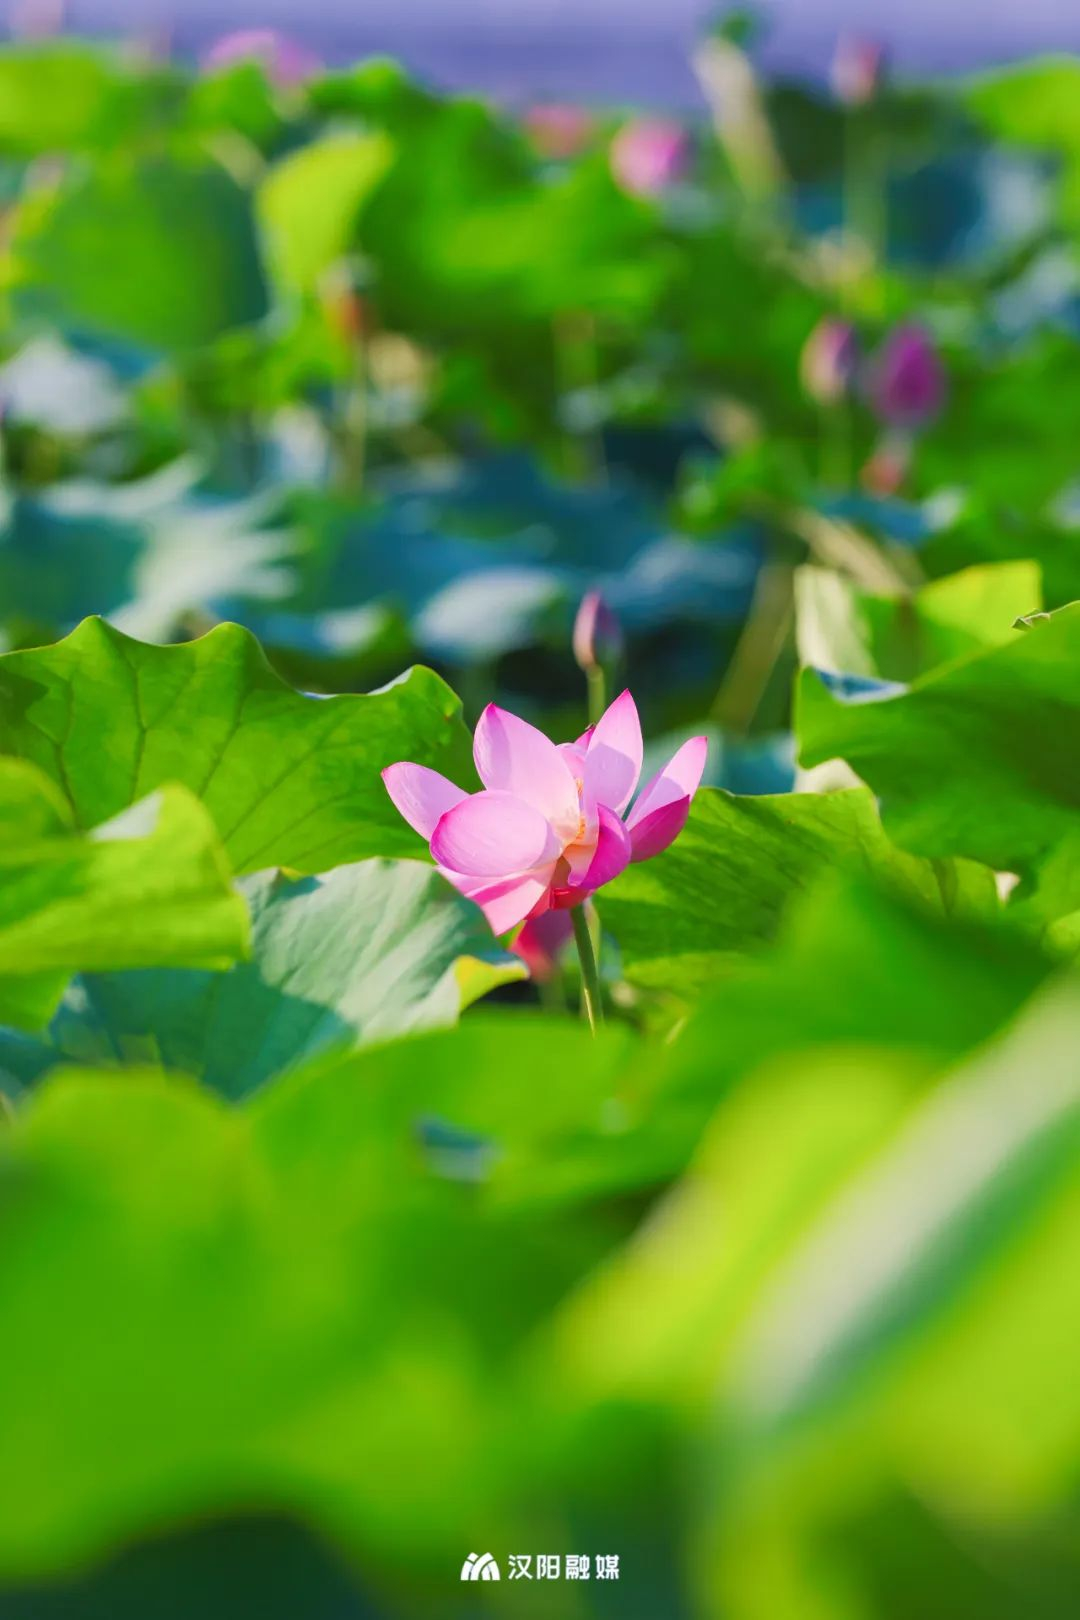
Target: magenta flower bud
column 649, row 155
column 598, row 636
column 858, row 68
column 558, row 131
column 906, row 386
column 286, row 62
column 829, row 358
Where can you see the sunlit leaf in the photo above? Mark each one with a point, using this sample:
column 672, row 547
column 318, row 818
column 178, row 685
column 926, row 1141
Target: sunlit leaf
column 366, row 953
column 289, row 780
column 151, row 886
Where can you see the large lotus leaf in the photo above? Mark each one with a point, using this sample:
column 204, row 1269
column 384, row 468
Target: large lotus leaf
column 974, row 759
column 161, row 254
column 356, row 1283
column 850, row 1292
column 150, row 887
column 367, row 952
column 65, row 95
column 282, row 1570
column 721, row 890
column 844, row 629
column 1035, row 104
column 310, row 201
column 854, row 966
column 208, row 1308
column 928, row 1381
column 289, row 780
column 997, row 441
column 453, row 227
column 520, row 1104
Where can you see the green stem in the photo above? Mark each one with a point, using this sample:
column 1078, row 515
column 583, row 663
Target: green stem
column 590, row 973
column 835, row 446
column 596, row 678
column 354, row 427
column 758, row 649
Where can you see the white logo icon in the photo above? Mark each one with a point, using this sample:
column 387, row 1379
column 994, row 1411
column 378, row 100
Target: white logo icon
column 480, row 1567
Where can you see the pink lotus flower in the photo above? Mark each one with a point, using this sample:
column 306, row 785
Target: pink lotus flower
column 285, row 61
column 548, row 830
column 649, row 154
column 558, row 131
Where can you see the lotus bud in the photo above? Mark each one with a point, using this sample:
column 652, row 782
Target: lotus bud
column 858, row 68
column 906, row 386
column 598, row 639
column 829, row 358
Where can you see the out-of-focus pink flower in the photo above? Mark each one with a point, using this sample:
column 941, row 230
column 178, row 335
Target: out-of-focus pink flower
column 649, row 155
column 906, row 382
column 884, row 473
column 597, row 633
column 829, row 358
column 286, row 62
column 558, row 130
column 542, row 941
column 36, row 19
column 547, row 830
column 858, row 68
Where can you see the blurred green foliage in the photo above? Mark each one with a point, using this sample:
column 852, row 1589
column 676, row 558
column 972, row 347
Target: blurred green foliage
column 314, row 1276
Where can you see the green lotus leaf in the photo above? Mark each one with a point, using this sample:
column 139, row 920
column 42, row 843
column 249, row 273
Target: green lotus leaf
column 149, row 887
column 290, row 780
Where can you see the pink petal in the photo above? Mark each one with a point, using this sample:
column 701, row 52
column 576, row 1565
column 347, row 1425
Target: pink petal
column 678, row 780
column 612, row 851
column 574, row 756
column 420, row 795
column 508, row 903
column 613, row 760
column 514, row 757
column 659, row 828
column 493, row 835
column 611, row 856
column 542, row 941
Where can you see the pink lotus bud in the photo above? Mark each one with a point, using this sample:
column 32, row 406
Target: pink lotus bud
column 542, row 941
column 598, row 636
column 286, row 62
column 858, row 69
column 906, row 384
column 828, row 361
column 649, row 154
column 558, row 131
